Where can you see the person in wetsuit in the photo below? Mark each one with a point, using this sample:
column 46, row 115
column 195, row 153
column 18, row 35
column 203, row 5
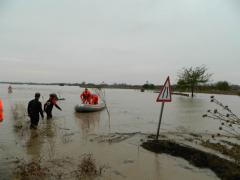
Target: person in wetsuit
column 34, row 109
column 48, row 106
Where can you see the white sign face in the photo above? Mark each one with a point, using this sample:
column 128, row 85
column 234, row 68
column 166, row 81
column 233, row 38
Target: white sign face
column 165, row 94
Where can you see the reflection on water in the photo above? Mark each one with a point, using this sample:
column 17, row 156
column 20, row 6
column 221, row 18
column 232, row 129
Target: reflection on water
column 41, row 143
column 87, row 122
column 34, row 145
column 51, row 133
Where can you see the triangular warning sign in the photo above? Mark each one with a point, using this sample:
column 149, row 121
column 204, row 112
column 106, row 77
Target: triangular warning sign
column 165, row 94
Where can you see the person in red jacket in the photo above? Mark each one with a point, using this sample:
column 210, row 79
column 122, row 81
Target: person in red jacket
column 94, row 99
column 86, row 96
column 1, row 110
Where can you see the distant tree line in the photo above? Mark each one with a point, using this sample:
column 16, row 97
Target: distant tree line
column 221, row 86
column 148, row 86
column 82, row 84
column 218, row 86
column 189, row 80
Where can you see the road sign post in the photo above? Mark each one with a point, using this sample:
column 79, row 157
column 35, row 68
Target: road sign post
column 160, row 119
column 165, row 95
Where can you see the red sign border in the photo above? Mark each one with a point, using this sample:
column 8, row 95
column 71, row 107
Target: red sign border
column 170, row 89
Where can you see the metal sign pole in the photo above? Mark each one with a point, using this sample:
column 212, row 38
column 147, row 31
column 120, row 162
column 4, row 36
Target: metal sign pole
column 160, row 119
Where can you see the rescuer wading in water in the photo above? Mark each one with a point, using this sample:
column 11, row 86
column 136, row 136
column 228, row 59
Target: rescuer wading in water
column 48, row 106
column 34, row 109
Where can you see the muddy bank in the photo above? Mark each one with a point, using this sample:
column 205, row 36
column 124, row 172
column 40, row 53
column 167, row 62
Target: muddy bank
column 223, row 168
column 226, row 148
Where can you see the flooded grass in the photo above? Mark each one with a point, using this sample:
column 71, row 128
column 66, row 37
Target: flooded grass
column 88, row 167
column 21, row 124
column 223, row 168
column 64, row 168
column 231, row 150
column 31, row 171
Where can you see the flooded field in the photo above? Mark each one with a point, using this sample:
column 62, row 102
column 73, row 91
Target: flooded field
column 114, row 144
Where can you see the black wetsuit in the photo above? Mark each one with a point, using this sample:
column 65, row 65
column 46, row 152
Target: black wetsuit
column 34, row 108
column 48, row 106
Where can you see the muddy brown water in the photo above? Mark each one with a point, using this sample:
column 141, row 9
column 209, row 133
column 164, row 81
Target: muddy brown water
column 114, row 143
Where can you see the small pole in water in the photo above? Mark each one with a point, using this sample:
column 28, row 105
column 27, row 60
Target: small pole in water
column 160, row 119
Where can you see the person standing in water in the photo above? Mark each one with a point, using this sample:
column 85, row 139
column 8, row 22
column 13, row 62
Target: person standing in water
column 9, row 89
column 48, row 106
column 1, row 110
column 34, row 109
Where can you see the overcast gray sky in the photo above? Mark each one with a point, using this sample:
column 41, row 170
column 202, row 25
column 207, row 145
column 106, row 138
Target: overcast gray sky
column 127, row 41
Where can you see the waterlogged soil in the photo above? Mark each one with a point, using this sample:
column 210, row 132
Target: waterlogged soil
column 225, row 167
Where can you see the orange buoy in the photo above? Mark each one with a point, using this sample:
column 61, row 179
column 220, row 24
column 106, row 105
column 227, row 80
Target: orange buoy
column 1, row 110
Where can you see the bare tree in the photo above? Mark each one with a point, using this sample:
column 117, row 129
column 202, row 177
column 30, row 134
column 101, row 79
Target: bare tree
column 191, row 77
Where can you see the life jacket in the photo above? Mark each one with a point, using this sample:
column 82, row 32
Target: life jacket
column 86, row 94
column 50, row 103
column 53, row 100
column 1, row 111
column 94, row 99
